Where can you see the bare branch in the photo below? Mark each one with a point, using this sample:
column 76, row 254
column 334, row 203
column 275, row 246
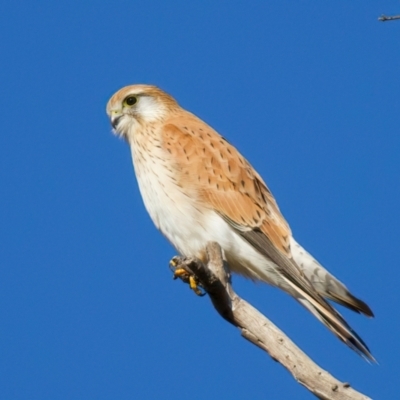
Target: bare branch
column 384, row 18
column 255, row 327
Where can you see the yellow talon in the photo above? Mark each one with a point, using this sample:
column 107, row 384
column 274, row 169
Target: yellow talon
column 194, row 286
column 174, row 262
column 180, row 273
column 186, row 277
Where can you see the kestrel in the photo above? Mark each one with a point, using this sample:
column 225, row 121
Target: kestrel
column 198, row 188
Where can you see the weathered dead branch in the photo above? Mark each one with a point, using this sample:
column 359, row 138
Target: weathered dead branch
column 214, row 278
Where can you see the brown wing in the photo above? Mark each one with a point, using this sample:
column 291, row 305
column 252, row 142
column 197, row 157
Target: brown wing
column 227, row 183
column 225, row 180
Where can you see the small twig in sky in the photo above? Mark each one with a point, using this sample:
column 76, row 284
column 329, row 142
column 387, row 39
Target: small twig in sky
column 384, row 18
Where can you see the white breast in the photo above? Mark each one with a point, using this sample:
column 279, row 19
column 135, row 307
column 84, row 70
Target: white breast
column 172, row 210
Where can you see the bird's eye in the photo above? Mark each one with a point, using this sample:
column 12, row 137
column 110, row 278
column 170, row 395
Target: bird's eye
column 130, row 100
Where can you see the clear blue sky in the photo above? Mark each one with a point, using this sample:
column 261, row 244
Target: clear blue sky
column 310, row 94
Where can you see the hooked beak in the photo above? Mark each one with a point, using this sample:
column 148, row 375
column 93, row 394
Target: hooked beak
column 115, row 121
column 115, row 117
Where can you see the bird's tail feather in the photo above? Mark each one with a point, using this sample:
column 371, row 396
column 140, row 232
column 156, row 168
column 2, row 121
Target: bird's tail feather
column 306, row 294
column 325, row 283
column 338, row 326
column 346, row 299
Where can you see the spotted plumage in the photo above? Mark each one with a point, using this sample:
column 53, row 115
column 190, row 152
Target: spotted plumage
column 198, row 188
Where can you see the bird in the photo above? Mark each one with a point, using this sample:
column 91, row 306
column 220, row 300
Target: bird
column 198, row 188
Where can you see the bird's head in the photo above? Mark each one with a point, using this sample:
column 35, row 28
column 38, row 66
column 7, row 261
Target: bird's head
column 137, row 105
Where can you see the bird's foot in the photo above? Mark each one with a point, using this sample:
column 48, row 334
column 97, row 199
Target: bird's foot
column 181, row 270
